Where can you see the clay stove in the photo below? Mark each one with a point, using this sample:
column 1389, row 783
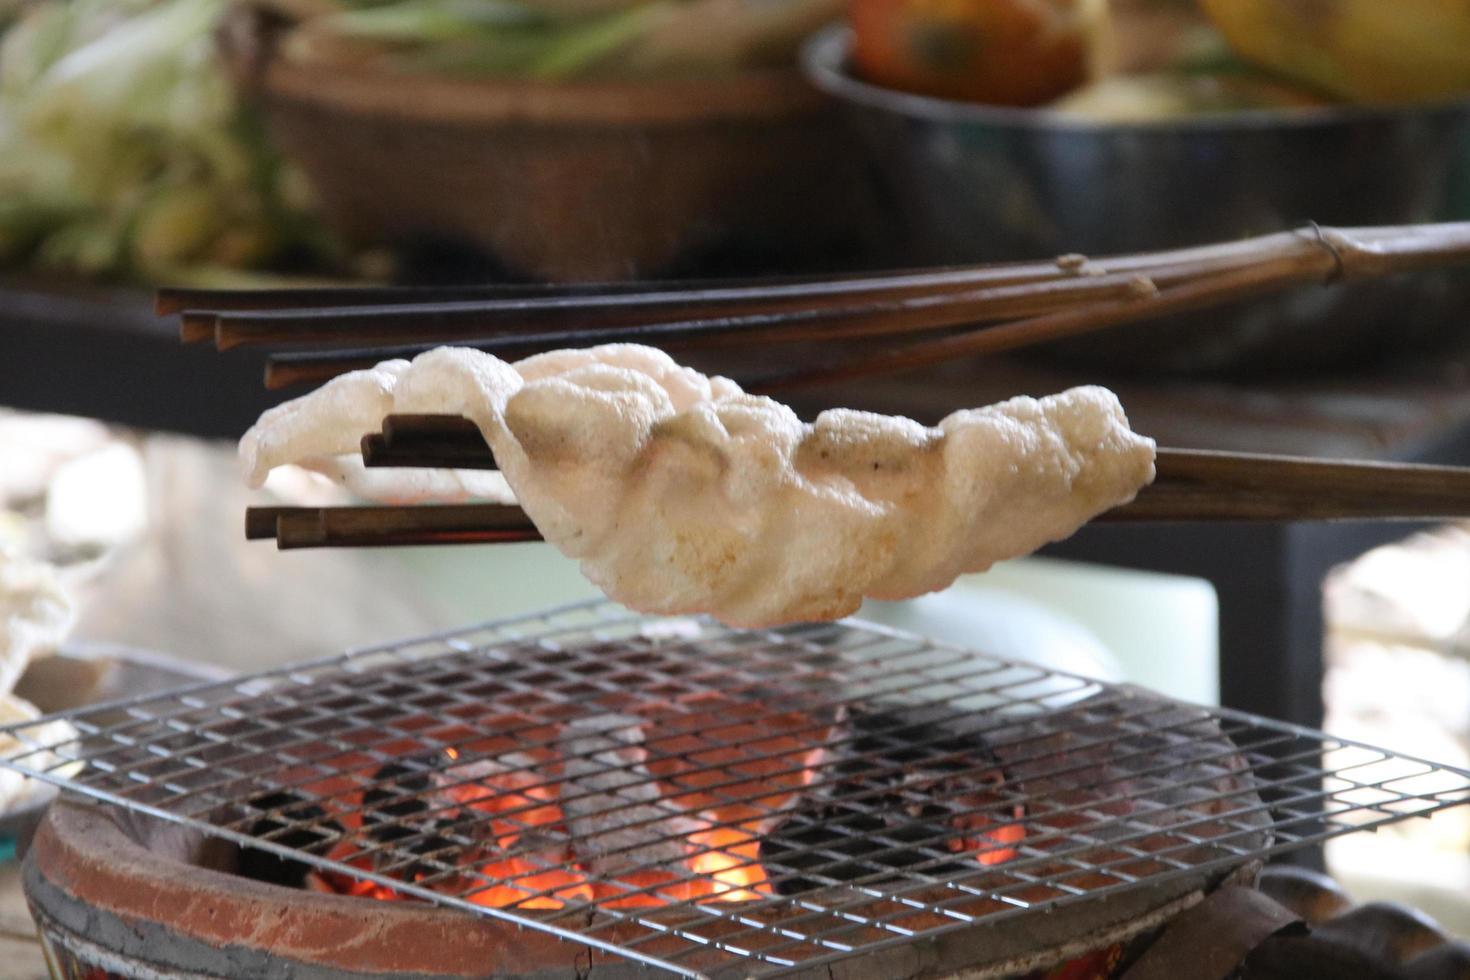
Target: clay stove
column 592, row 794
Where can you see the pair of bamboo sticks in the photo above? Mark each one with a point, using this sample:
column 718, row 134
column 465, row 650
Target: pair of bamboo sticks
column 920, row 317
column 1190, row 486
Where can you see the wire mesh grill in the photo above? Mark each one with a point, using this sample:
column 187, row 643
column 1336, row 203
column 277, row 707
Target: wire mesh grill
column 712, row 802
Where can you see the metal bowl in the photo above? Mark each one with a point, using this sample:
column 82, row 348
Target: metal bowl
column 980, row 183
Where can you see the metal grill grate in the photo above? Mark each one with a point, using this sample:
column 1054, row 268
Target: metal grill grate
column 713, row 802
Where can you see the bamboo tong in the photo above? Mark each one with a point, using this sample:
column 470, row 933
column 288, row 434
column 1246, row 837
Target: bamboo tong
column 1191, row 485
column 909, row 319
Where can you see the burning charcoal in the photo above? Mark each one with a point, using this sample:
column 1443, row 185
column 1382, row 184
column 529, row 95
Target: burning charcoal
column 1156, row 763
column 845, row 843
column 913, row 749
column 936, row 768
column 613, row 807
column 410, row 808
column 889, row 779
column 293, row 808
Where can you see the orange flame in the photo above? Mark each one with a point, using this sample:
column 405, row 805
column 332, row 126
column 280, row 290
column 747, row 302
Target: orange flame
column 730, row 858
column 994, row 849
column 991, row 844
column 526, row 886
column 723, row 863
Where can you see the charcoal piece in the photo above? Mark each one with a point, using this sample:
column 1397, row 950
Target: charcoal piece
column 843, row 843
column 401, row 792
column 1149, row 762
column 920, row 752
column 613, row 806
column 929, row 735
column 294, row 808
column 410, row 811
column 892, row 790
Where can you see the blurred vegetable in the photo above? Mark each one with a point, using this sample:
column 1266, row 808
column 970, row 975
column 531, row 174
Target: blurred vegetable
column 417, row 22
column 1149, row 98
column 1362, row 50
column 556, row 39
column 122, row 148
column 1158, row 35
column 1003, row 52
column 715, row 35
column 476, row 37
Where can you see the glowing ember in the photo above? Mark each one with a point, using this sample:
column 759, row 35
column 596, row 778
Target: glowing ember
column 528, row 861
column 994, row 846
column 730, row 861
column 722, row 865
column 530, row 887
column 723, row 861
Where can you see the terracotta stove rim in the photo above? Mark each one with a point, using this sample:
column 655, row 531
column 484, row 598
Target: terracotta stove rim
column 82, row 850
column 83, row 853
column 75, row 836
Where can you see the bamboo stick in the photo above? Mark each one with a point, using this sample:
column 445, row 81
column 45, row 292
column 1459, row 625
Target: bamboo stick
column 887, row 317
column 1192, row 485
column 419, row 326
column 428, row 452
column 408, row 305
column 1326, row 256
column 177, row 299
column 1032, row 312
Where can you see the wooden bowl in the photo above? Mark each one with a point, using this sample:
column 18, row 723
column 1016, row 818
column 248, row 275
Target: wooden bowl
column 561, row 180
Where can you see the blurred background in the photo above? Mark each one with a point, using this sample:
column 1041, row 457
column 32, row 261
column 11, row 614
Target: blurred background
column 264, row 143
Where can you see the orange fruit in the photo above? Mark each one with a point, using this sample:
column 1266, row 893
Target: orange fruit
column 1002, row 52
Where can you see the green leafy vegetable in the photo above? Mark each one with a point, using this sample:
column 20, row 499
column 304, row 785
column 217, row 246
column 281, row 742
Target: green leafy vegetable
column 560, row 39
column 123, row 149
